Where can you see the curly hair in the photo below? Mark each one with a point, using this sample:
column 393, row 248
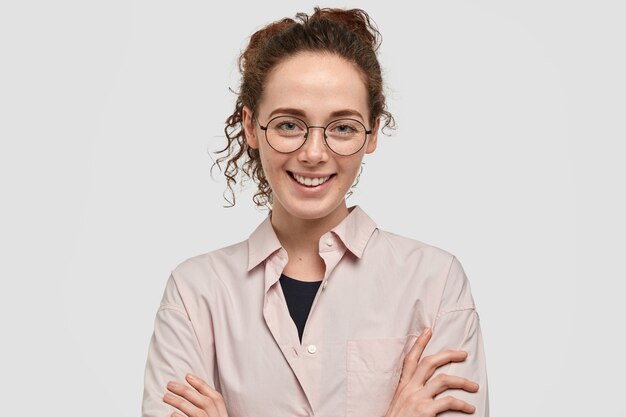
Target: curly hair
column 350, row 34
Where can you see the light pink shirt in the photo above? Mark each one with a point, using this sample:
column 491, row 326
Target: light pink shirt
column 223, row 317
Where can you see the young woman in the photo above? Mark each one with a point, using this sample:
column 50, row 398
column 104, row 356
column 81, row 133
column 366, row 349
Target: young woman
column 319, row 312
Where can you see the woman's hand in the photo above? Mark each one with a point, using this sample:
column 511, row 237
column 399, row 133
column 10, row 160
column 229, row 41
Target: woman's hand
column 415, row 392
column 202, row 401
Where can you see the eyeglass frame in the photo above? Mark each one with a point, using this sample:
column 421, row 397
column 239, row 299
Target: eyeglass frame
column 306, row 135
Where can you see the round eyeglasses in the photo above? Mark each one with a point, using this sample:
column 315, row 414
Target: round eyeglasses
column 286, row 134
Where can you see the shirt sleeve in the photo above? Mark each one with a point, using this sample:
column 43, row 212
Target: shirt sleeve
column 174, row 351
column 457, row 326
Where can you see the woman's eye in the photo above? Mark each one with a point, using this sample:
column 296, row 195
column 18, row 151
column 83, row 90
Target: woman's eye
column 287, row 126
column 344, row 129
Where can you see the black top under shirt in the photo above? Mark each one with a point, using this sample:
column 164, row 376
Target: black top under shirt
column 299, row 296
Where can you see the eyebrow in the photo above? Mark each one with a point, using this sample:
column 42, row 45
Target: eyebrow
column 302, row 113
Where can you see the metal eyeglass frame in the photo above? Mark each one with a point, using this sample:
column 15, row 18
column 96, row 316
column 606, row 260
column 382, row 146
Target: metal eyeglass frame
column 306, row 135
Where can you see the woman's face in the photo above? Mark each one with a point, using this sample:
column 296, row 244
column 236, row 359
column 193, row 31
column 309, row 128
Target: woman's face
column 314, row 86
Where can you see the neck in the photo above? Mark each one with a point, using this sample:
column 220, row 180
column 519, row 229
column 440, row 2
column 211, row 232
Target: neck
column 299, row 235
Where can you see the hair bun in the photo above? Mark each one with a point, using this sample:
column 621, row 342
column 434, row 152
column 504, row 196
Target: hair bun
column 355, row 20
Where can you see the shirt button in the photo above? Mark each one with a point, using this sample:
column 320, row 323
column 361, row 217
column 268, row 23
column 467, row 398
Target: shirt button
column 311, row 349
column 329, row 243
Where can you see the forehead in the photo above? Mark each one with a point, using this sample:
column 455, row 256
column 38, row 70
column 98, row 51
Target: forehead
column 318, row 83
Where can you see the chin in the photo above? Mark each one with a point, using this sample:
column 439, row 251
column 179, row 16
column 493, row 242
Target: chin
column 311, row 209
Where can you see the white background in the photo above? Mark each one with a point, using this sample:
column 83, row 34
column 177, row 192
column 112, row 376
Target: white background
column 509, row 153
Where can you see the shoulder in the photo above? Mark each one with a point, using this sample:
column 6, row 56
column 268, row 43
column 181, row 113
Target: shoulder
column 209, row 266
column 439, row 265
column 416, row 257
column 410, row 247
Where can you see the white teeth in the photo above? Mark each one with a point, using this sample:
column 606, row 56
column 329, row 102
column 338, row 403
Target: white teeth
column 310, row 182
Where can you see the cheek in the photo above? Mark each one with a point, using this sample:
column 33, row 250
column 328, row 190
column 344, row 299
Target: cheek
column 271, row 166
column 354, row 167
column 265, row 161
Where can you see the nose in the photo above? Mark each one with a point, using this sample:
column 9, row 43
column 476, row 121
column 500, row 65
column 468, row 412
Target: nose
column 314, row 149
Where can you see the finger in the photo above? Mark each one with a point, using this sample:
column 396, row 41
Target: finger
column 443, row 382
column 205, row 389
column 181, row 404
column 409, row 365
column 427, row 366
column 450, row 403
column 192, row 403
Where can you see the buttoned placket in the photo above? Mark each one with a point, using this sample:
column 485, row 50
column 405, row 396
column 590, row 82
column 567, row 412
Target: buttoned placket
column 279, row 321
column 303, row 358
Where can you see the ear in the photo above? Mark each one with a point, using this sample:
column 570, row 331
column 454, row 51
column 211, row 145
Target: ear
column 249, row 128
column 373, row 137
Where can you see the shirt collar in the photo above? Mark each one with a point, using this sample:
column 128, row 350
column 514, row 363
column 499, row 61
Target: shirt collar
column 354, row 231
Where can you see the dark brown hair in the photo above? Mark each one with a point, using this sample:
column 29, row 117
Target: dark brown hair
column 350, row 34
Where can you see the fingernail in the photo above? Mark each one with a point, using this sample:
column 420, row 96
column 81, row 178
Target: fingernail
column 427, row 331
column 193, row 378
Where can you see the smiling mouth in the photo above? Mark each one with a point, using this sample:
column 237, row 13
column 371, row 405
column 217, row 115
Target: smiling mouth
column 309, row 182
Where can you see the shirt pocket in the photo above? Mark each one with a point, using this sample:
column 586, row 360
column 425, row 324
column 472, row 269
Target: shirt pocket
column 373, row 372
